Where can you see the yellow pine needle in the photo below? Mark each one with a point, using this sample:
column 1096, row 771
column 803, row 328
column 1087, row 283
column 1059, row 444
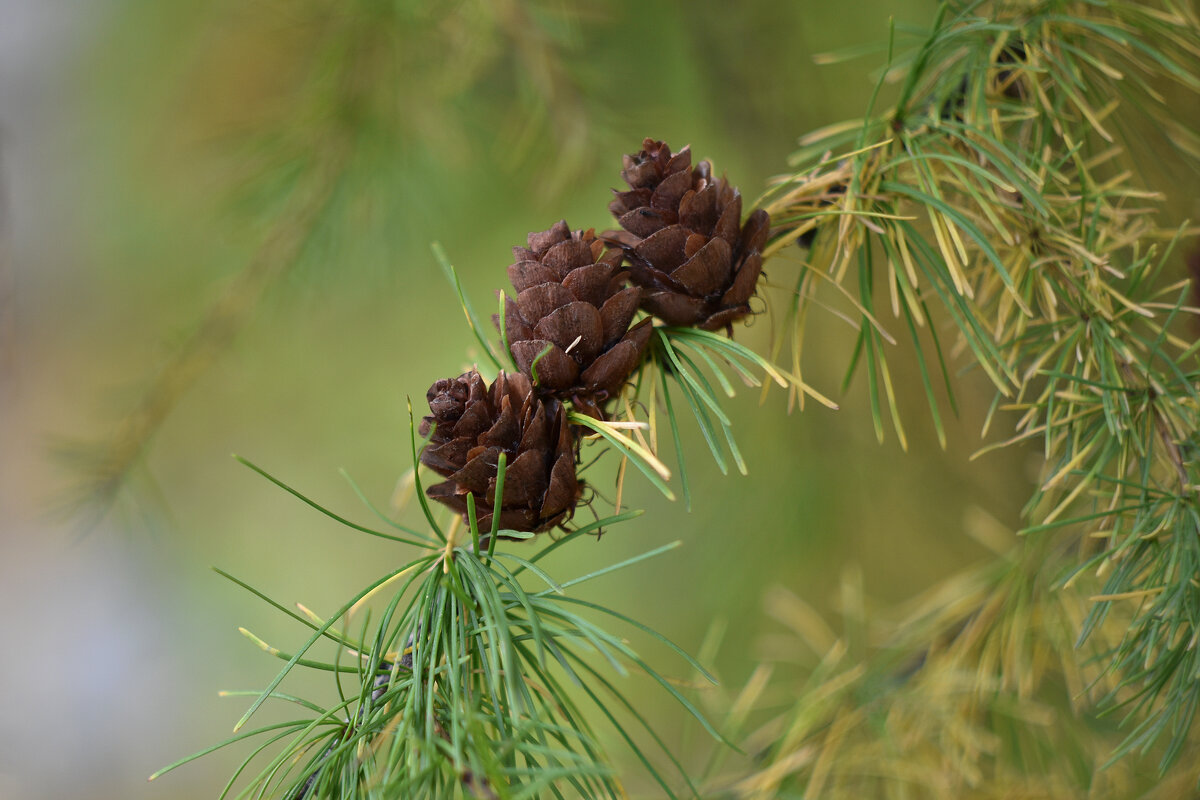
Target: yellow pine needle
column 403, row 493
column 795, row 382
column 747, row 699
column 789, row 238
column 266, row 648
column 794, row 395
column 852, row 153
column 1086, row 481
column 614, row 430
column 1091, row 116
column 625, row 425
column 949, row 257
column 620, row 484
column 766, row 783
column 913, row 302
column 886, row 375
column 829, row 131
column 652, row 412
column 859, row 307
column 988, row 531
column 451, row 542
column 1099, row 598
column 636, row 425
column 312, row 617
column 801, row 618
column 952, row 228
column 909, row 266
column 367, row 597
column 893, row 289
column 1125, row 301
column 320, row 622
column 843, row 723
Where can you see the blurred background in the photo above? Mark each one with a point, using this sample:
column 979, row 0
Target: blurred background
column 215, row 229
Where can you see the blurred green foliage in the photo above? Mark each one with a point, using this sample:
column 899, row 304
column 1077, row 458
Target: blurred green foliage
column 188, row 144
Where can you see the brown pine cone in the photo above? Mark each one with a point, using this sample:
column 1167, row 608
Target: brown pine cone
column 685, row 239
column 571, row 316
column 473, row 424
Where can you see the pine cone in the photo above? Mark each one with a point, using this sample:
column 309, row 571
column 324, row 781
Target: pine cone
column 573, row 306
column 685, row 239
column 475, row 424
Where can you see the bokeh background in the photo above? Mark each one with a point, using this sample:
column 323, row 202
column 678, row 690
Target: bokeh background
column 147, row 152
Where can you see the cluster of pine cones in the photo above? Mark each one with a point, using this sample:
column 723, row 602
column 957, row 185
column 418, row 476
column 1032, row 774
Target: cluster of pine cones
column 683, row 255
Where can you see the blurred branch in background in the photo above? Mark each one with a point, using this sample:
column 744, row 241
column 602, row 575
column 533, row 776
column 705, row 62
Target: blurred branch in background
column 376, row 84
column 549, row 96
column 974, row 690
column 107, row 466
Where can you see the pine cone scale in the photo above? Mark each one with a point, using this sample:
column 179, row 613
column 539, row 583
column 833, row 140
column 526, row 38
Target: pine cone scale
column 664, row 249
column 443, row 459
column 698, row 210
column 473, row 422
column 568, row 255
column 693, row 243
column 637, row 174
column 755, row 231
column 729, row 224
column 707, row 271
column 504, row 429
column 591, row 284
column 474, row 475
column 526, row 274
column 555, row 369
column 539, row 243
column 644, row 221
column 668, row 194
column 617, row 313
column 721, row 319
column 525, row 480
column 537, row 434
column 674, row 308
column 611, row 369
column 744, row 283
column 539, row 301
column 563, row 491
column 623, row 202
column 576, row 328
column 516, row 329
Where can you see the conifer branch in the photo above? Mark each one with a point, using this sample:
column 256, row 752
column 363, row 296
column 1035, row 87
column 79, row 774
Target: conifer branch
column 107, row 467
column 997, row 190
column 995, row 195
